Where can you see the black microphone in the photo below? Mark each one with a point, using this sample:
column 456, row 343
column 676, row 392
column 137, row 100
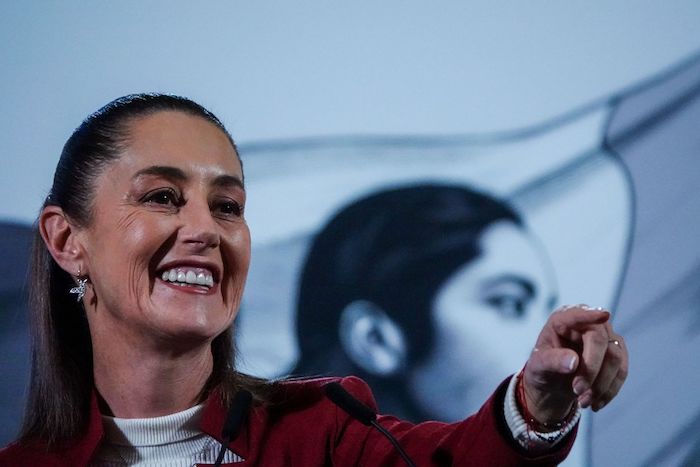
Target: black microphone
column 360, row 412
column 235, row 419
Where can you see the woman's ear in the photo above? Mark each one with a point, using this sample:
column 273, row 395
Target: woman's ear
column 371, row 339
column 60, row 237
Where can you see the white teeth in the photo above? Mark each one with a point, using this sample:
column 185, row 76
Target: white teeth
column 191, row 277
column 195, row 276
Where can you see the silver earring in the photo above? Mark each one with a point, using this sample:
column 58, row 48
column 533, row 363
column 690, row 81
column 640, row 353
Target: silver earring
column 80, row 289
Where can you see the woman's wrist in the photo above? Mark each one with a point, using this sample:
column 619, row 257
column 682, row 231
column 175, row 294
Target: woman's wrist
column 534, row 435
column 544, row 413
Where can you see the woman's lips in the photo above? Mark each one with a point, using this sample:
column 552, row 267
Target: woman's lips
column 190, row 288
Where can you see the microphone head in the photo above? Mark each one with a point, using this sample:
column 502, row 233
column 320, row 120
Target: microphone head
column 346, row 401
column 237, row 414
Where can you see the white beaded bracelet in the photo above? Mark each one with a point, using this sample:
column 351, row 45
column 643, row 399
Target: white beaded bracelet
column 528, row 438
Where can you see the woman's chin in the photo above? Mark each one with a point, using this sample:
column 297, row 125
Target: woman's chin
column 177, row 331
column 189, row 315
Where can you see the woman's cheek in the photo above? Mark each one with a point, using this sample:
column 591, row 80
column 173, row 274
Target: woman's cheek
column 235, row 256
column 243, row 241
column 238, row 251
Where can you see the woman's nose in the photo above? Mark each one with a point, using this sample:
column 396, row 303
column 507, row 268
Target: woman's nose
column 200, row 229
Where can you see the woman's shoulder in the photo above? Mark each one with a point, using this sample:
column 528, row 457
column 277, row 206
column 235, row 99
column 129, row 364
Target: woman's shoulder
column 12, row 453
column 320, row 382
column 24, row 452
column 302, row 391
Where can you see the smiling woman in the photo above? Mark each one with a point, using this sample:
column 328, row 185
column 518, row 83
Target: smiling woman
column 144, row 225
column 148, row 186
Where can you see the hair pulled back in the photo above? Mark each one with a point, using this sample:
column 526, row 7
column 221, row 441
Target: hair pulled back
column 61, row 384
column 393, row 248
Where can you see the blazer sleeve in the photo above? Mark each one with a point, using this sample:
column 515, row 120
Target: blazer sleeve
column 481, row 440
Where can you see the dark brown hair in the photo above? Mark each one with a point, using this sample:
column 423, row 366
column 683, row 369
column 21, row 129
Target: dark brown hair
column 61, row 383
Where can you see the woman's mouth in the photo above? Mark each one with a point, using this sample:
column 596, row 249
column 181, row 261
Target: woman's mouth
column 188, row 276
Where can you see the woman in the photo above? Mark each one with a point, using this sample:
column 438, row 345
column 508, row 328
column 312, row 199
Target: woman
column 144, row 225
column 422, row 283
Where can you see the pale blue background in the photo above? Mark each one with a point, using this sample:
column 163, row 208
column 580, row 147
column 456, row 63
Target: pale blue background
column 287, row 69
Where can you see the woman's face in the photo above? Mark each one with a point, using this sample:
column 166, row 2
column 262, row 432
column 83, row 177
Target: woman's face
column 167, row 247
column 487, row 316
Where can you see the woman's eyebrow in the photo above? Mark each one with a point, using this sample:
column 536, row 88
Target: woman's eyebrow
column 228, row 181
column 526, row 285
column 172, row 173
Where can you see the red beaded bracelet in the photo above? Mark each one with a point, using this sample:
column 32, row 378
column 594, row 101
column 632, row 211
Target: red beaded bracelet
column 532, row 423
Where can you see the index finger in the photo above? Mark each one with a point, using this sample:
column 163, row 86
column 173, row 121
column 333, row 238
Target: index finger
column 571, row 323
column 595, row 346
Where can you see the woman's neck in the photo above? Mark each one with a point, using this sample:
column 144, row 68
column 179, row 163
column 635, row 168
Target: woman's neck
column 142, row 383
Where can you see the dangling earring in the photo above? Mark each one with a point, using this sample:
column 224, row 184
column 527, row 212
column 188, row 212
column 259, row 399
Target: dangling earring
column 80, row 289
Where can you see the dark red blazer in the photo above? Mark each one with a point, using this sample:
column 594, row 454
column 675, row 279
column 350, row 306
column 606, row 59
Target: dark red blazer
column 305, row 429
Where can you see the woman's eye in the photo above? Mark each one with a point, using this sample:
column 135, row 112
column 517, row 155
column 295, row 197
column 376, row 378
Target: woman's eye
column 507, row 305
column 165, row 197
column 229, row 208
column 510, row 297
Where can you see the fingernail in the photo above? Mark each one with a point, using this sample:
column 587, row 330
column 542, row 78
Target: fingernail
column 579, row 387
column 570, row 363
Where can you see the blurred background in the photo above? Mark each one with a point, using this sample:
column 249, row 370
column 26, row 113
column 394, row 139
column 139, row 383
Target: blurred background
column 551, row 150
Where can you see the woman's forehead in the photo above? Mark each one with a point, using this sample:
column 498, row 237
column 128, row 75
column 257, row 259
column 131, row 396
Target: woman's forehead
column 180, row 140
